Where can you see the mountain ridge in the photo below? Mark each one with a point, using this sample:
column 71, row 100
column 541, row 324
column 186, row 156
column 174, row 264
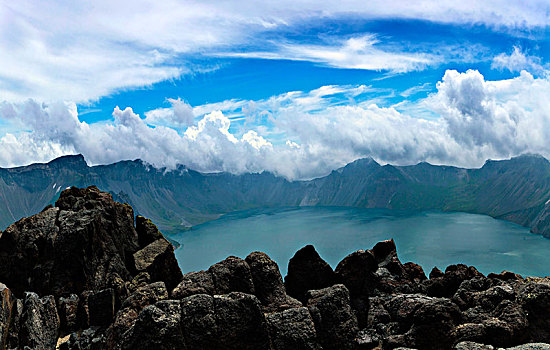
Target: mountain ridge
column 517, row 189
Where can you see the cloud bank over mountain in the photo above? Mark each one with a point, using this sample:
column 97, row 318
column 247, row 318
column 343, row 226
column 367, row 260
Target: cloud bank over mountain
column 298, row 134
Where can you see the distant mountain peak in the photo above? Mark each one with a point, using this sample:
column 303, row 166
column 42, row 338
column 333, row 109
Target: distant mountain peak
column 362, row 162
column 530, row 156
column 526, row 158
column 73, row 161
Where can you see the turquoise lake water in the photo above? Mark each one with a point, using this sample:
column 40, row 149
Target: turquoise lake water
column 427, row 238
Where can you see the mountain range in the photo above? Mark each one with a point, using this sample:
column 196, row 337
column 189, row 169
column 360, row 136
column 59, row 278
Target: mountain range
column 517, row 189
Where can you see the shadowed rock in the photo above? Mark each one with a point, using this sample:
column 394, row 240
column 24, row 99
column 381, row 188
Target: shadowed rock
column 335, row 322
column 268, row 283
column 147, row 231
column 198, row 321
column 199, row 282
column 241, row 323
column 232, row 275
column 292, row 329
column 307, row 271
column 159, row 261
column 67, row 308
column 357, row 272
column 101, row 306
column 447, row 284
column 157, row 327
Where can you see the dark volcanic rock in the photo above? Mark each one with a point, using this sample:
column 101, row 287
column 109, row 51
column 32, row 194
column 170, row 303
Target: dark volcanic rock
column 535, row 300
column 268, row 283
column 131, row 307
column 146, row 295
column 241, row 323
column 74, row 247
column 292, row 329
column 435, row 273
column 39, row 323
column 385, row 254
column 232, row 275
column 112, row 283
column 147, row 231
column 447, row 285
column 198, row 321
column 357, row 272
column 199, row 282
column 307, row 271
column 101, row 306
column 432, row 324
column 15, row 325
column 158, row 259
column 67, row 308
column 335, row 322
column 157, row 327
column 505, row 276
column 87, row 242
column 6, row 310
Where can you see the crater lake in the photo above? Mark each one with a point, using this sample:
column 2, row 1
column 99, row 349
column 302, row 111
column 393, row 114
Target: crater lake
column 427, row 238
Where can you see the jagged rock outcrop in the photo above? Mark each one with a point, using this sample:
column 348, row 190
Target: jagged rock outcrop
column 307, row 271
column 89, row 279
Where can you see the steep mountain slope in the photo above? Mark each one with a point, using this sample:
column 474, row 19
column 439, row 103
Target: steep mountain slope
column 517, row 189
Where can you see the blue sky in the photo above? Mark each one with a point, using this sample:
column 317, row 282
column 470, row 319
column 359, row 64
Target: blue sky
column 256, row 78
column 297, row 88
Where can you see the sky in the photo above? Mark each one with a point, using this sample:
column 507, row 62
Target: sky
column 297, row 88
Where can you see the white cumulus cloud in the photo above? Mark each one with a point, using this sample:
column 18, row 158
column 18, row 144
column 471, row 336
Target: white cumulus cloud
column 300, row 134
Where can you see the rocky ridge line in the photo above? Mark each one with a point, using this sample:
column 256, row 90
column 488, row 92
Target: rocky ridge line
column 84, row 275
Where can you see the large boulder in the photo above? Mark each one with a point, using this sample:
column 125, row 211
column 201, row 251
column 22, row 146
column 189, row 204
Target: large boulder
column 385, row 253
column 335, row 321
column 232, row 275
column 157, row 327
column 241, row 322
column 268, row 283
column 198, row 321
column 86, row 242
column 131, row 307
column 423, row 322
column 432, row 324
column 292, row 329
column 534, row 298
column 198, row 282
column 158, row 259
column 307, row 271
column 73, row 247
column 357, row 272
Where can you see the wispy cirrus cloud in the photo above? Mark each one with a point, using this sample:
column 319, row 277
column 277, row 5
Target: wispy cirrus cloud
column 519, row 60
column 81, row 51
column 359, row 52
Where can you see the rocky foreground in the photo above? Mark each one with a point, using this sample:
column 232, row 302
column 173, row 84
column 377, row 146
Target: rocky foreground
column 86, row 275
